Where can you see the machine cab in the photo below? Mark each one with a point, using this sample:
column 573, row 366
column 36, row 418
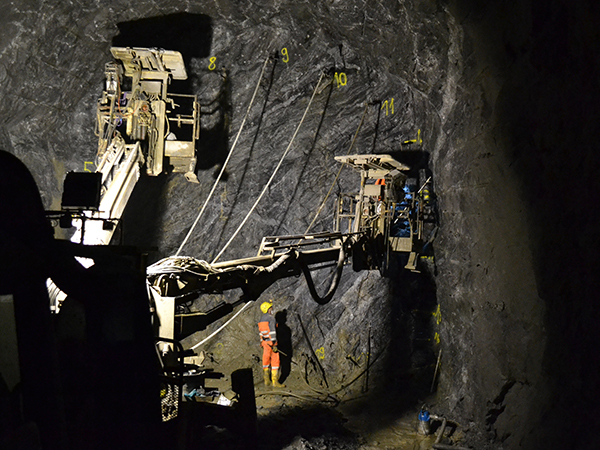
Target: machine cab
column 388, row 210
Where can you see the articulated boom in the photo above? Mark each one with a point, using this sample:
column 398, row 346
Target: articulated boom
column 386, row 217
column 177, row 280
column 138, row 122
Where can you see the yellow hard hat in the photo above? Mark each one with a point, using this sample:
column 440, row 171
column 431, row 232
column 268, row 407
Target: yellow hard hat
column 265, row 306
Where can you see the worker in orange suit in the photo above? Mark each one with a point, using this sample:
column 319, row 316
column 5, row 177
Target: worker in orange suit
column 267, row 329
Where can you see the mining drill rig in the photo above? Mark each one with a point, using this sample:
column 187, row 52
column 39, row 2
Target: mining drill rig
column 386, row 218
column 142, row 125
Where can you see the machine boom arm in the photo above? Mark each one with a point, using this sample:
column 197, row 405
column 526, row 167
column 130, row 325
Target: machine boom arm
column 178, row 280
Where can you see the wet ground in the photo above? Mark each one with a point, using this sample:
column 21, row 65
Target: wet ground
column 301, row 416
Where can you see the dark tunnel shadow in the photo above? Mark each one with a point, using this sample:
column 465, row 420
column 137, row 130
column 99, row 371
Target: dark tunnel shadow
column 216, row 430
column 409, row 356
column 250, row 151
column 57, row 405
column 376, row 127
column 416, row 159
column 547, row 114
column 279, row 430
column 140, row 223
column 562, row 227
column 412, row 343
column 213, row 145
column 306, row 161
column 284, row 343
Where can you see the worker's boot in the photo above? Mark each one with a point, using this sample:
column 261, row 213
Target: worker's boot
column 275, row 379
column 266, row 375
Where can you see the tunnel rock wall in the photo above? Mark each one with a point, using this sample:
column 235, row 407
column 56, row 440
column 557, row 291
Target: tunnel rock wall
column 343, row 37
column 517, row 284
column 491, row 328
column 49, row 82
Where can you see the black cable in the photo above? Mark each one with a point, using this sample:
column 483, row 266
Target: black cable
column 334, row 282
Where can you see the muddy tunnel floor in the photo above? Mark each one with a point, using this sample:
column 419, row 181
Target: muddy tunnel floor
column 375, row 405
column 300, row 417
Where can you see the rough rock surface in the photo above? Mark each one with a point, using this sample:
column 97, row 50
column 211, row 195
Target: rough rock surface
column 503, row 98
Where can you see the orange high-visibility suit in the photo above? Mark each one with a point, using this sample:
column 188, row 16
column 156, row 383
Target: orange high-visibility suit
column 267, row 328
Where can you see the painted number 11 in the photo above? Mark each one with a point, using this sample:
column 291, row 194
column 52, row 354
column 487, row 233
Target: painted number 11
column 389, row 106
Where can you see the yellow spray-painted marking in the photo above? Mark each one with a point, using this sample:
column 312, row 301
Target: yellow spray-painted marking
column 285, row 54
column 219, row 349
column 320, row 352
column 438, row 319
column 212, row 65
column 341, row 79
column 438, row 315
column 366, row 355
column 359, row 359
column 85, row 164
column 389, row 106
column 418, row 140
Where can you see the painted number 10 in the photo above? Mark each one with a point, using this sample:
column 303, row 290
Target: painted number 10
column 340, row 79
column 389, row 106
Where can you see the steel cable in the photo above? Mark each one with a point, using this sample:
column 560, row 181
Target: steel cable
column 272, row 175
column 217, row 331
column 339, row 171
column 226, row 160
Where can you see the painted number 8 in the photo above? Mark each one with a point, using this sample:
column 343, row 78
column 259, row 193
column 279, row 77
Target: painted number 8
column 212, row 65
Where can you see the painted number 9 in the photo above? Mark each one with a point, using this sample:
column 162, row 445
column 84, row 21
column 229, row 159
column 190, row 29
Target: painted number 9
column 320, row 352
column 286, row 56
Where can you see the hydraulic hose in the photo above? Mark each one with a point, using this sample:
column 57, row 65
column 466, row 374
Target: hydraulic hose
column 334, row 282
